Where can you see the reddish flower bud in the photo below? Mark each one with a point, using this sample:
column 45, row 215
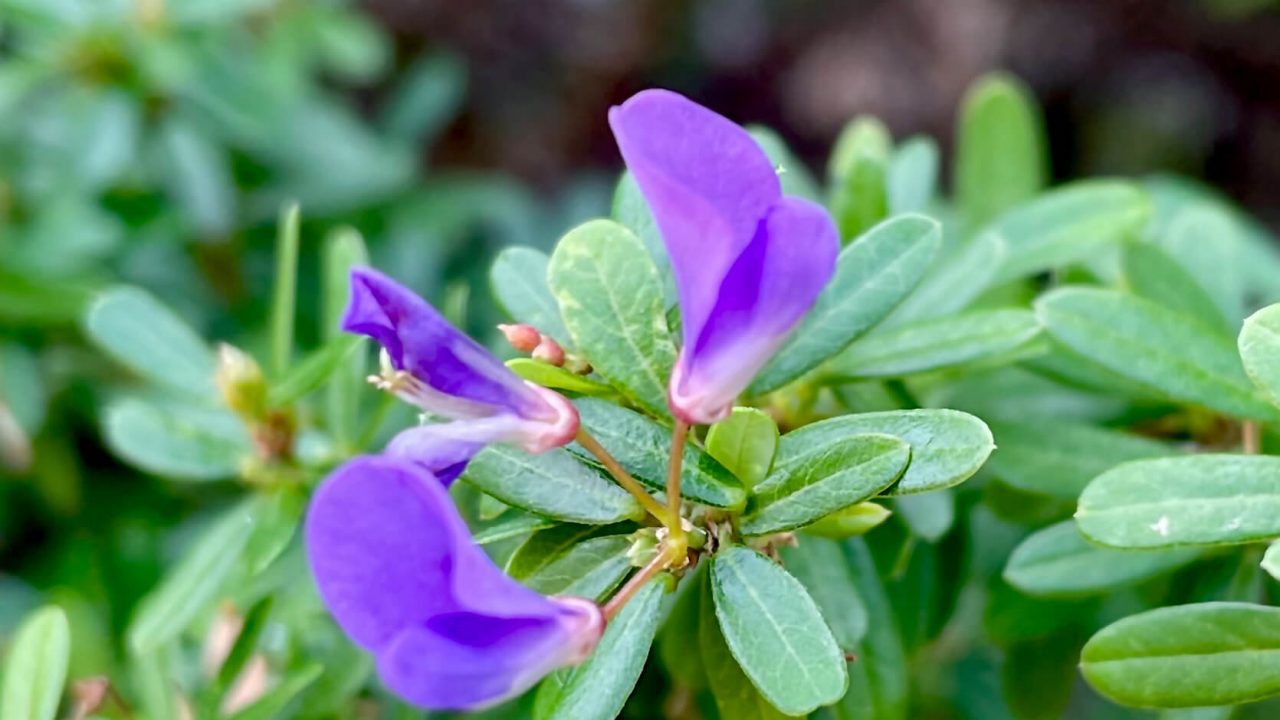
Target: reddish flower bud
column 524, row 338
column 549, row 351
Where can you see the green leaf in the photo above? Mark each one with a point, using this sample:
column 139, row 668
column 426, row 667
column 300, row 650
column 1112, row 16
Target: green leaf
column 795, row 177
column 1259, row 345
column 632, row 211
column 612, row 300
column 947, row 446
column 138, row 331
column 734, row 694
column 955, row 280
column 936, row 344
column 1192, row 500
column 274, row 702
column 567, row 560
column 1059, row 458
column 776, row 632
column 878, row 677
column 1271, row 559
column 510, row 527
column 557, row 378
column 344, row 249
column 192, row 584
column 1153, row 346
column 843, row 473
column 642, row 447
column 913, row 175
column 928, row 515
column 552, row 483
column 519, row 281
column 277, row 514
column 1057, row 561
column 1002, row 158
column 597, row 689
column 331, row 361
column 872, row 275
column 39, row 301
column 819, row 564
column 1210, row 244
column 1152, row 274
column 852, row 521
column 745, row 444
column 177, row 442
column 36, row 668
column 858, row 169
column 1069, row 225
column 1187, row 656
column 198, row 176
column 284, row 293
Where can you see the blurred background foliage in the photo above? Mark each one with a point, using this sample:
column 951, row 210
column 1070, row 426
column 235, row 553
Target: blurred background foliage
column 153, row 143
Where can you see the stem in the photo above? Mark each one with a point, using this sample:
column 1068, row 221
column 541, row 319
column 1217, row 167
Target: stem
column 637, row 581
column 285, row 291
column 1251, row 433
column 622, row 477
column 679, row 434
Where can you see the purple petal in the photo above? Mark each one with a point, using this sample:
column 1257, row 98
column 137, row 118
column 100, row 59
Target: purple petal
column 396, row 566
column 435, row 450
column 708, row 184
column 419, row 340
column 770, row 287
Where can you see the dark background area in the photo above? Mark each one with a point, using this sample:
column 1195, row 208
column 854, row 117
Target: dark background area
column 1128, row 86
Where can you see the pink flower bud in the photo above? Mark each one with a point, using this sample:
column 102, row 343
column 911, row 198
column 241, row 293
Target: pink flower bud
column 549, row 351
column 524, row 338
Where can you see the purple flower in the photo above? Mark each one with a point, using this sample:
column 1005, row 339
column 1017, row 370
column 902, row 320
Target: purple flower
column 396, row 566
column 447, row 374
column 748, row 262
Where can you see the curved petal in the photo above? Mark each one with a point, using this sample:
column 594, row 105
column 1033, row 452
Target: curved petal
column 420, row 341
column 467, row 661
column 436, row 450
column 708, row 184
column 764, row 295
column 389, row 551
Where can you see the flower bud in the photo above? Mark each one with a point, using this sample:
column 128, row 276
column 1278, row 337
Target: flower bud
column 240, row 379
column 549, row 351
column 524, row 338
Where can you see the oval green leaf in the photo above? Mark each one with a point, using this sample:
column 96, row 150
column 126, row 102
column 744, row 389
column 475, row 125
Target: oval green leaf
column 935, row 344
column 844, row 473
column 1187, row 656
column 36, row 668
column 1058, row 561
column 611, row 297
column 745, row 444
column 1002, row 158
column 141, row 333
column 519, row 281
column 177, row 442
column 1192, row 500
column 553, row 484
column 1259, row 345
column 571, row 560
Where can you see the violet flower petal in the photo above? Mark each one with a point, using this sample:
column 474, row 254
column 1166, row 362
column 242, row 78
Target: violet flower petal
column 396, row 566
column 708, row 184
column 764, row 295
column 420, row 341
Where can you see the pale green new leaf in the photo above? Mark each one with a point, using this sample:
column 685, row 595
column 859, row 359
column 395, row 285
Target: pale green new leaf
column 745, row 444
column 557, row 378
column 1187, row 656
column 776, row 632
column 611, row 298
column 858, row 171
column 852, row 521
column 872, row 275
column 1192, row 500
column 1002, row 158
column 36, row 667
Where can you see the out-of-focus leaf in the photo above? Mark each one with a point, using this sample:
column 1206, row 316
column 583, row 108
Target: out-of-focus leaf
column 598, row 688
column 873, row 274
column 1192, row 500
column 1059, row 458
column 947, row 446
column 858, row 172
column 36, row 667
column 30, row 301
column 193, row 583
column 843, row 473
column 878, row 675
column 274, row 702
column 1210, row 245
column 284, row 292
column 1187, row 656
column 913, row 175
column 343, row 250
column 642, row 447
column 1057, row 561
column 1259, row 345
column 852, row 521
column 776, row 632
column 611, row 298
column 553, row 484
column 426, row 100
column 795, row 177
column 519, row 281
column 820, row 566
column 137, row 330
column 955, row 280
column 938, row 344
column 928, row 515
column 1153, row 346
column 745, row 444
column 175, row 441
column 198, row 176
column 1068, row 225
column 1154, row 275
column 313, row 370
column 1002, row 158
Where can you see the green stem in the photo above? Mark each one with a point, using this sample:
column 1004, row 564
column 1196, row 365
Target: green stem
column 679, row 434
column 622, row 477
column 284, row 301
